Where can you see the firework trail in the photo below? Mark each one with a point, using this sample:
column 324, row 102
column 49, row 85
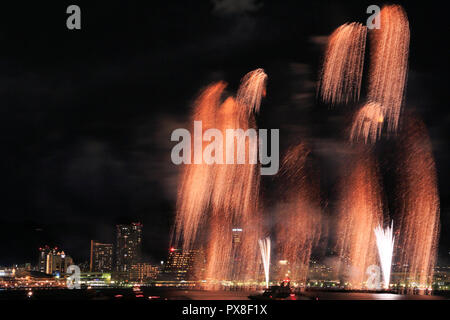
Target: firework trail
column 196, row 180
column 359, row 211
column 367, row 123
column 264, row 246
column 299, row 220
column 389, row 63
column 220, row 246
column 340, row 79
column 235, row 196
column 385, row 245
column 251, row 91
column 418, row 199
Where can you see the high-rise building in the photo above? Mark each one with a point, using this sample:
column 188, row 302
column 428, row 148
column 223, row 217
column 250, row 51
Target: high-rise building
column 185, row 265
column 101, row 257
column 236, row 233
column 42, row 263
column 128, row 246
column 53, row 260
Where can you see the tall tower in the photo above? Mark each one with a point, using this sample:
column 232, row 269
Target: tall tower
column 128, row 245
column 237, row 234
column 42, row 263
column 101, row 257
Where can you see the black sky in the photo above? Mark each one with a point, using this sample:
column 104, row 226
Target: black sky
column 86, row 115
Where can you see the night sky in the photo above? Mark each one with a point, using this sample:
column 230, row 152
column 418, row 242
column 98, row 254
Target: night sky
column 86, row 115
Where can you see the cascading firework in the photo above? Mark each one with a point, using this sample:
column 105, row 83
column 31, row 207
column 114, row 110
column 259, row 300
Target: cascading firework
column 235, row 195
column 342, row 70
column 220, row 258
column 214, row 199
column 385, row 244
column 196, row 181
column 418, row 205
column 264, row 246
column 298, row 223
column 389, row 64
column 360, row 210
column 341, row 76
column 251, row 91
column 367, row 123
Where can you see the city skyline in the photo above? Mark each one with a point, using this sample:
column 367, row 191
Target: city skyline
column 87, row 259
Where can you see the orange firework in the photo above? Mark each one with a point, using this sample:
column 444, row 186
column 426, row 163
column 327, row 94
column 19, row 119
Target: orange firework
column 299, row 220
column 418, row 205
column 340, row 79
column 196, row 181
column 219, row 250
column 360, row 210
column 367, row 123
column 235, row 193
column 251, row 91
column 389, row 63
